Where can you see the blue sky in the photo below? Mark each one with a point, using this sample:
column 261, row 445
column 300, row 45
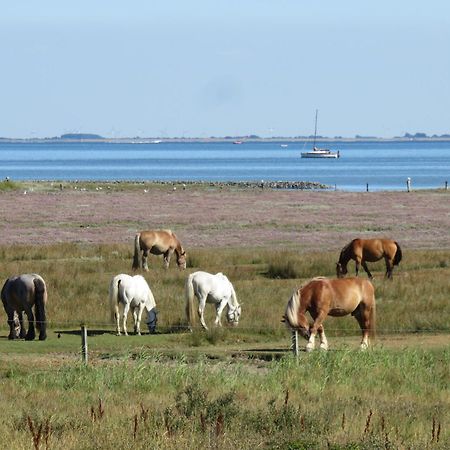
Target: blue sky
column 224, row 67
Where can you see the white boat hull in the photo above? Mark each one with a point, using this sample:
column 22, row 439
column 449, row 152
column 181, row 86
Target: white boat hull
column 319, row 155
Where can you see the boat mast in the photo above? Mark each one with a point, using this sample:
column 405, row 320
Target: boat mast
column 315, row 131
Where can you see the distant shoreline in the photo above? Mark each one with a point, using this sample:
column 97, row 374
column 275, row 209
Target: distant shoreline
column 243, row 140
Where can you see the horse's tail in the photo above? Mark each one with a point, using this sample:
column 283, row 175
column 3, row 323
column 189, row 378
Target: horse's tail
column 372, row 320
column 370, row 305
column 3, row 293
column 398, row 255
column 114, row 298
column 137, row 249
column 40, row 299
column 290, row 316
column 189, row 297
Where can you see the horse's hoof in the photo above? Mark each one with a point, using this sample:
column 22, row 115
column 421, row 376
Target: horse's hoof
column 324, row 347
column 42, row 337
column 309, row 348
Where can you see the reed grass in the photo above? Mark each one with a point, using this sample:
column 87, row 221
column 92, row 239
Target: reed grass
column 339, row 399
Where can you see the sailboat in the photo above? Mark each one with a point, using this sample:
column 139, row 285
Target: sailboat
column 317, row 152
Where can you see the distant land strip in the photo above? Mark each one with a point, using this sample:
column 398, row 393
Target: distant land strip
column 88, row 137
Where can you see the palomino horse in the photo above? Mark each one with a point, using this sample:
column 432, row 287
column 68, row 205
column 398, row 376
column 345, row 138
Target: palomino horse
column 323, row 297
column 158, row 242
column 209, row 288
column 131, row 292
column 19, row 294
column 369, row 250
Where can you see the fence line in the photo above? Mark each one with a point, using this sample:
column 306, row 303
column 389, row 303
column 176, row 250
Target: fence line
column 110, row 325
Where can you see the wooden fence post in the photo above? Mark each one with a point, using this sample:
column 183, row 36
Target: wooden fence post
column 84, row 344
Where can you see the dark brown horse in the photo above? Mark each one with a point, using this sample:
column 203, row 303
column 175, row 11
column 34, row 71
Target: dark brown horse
column 158, row 242
column 323, row 297
column 19, row 294
column 369, row 250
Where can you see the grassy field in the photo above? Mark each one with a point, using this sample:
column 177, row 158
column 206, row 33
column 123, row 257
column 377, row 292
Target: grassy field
column 226, row 388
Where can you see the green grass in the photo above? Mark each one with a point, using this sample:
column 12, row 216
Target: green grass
column 324, row 399
column 226, row 388
column 78, row 276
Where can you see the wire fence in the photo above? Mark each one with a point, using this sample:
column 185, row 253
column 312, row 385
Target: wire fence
column 108, row 326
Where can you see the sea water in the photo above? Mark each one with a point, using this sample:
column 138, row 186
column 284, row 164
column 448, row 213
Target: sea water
column 377, row 165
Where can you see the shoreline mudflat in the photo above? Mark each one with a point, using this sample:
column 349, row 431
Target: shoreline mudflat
column 219, row 216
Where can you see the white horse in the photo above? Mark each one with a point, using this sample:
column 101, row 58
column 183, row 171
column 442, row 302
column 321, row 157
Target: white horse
column 209, row 288
column 134, row 293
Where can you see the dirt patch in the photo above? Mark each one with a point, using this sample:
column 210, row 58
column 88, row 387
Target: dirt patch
column 309, row 220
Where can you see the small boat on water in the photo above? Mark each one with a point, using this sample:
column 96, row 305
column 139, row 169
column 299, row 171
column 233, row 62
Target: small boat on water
column 237, row 142
column 283, row 145
column 317, row 152
column 320, row 153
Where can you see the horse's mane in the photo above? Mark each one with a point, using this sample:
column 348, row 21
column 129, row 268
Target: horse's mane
column 311, row 280
column 345, row 249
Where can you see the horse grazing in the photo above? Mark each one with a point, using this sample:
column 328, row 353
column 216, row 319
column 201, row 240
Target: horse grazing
column 134, row 293
column 369, row 250
column 19, row 294
column 323, row 297
column 209, row 288
column 158, row 242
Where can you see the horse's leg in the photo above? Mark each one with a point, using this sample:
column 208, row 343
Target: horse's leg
column 357, row 264
column 167, row 256
column 145, row 260
column 126, row 308
column 31, row 333
column 12, row 325
column 314, row 329
column 367, row 270
column 117, row 317
column 389, row 267
column 362, row 315
column 201, row 310
column 219, row 308
column 135, row 319
column 19, row 329
column 139, row 317
column 323, row 338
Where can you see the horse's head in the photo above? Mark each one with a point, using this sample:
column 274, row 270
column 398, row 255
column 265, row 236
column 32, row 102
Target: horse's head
column 152, row 320
column 181, row 259
column 340, row 270
column 303, row 326
column 233, row 314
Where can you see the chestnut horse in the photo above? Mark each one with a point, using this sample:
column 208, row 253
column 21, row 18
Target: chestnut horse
column 158, row 242
column 369, row 250
column 19, row 294
column 323, row 297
